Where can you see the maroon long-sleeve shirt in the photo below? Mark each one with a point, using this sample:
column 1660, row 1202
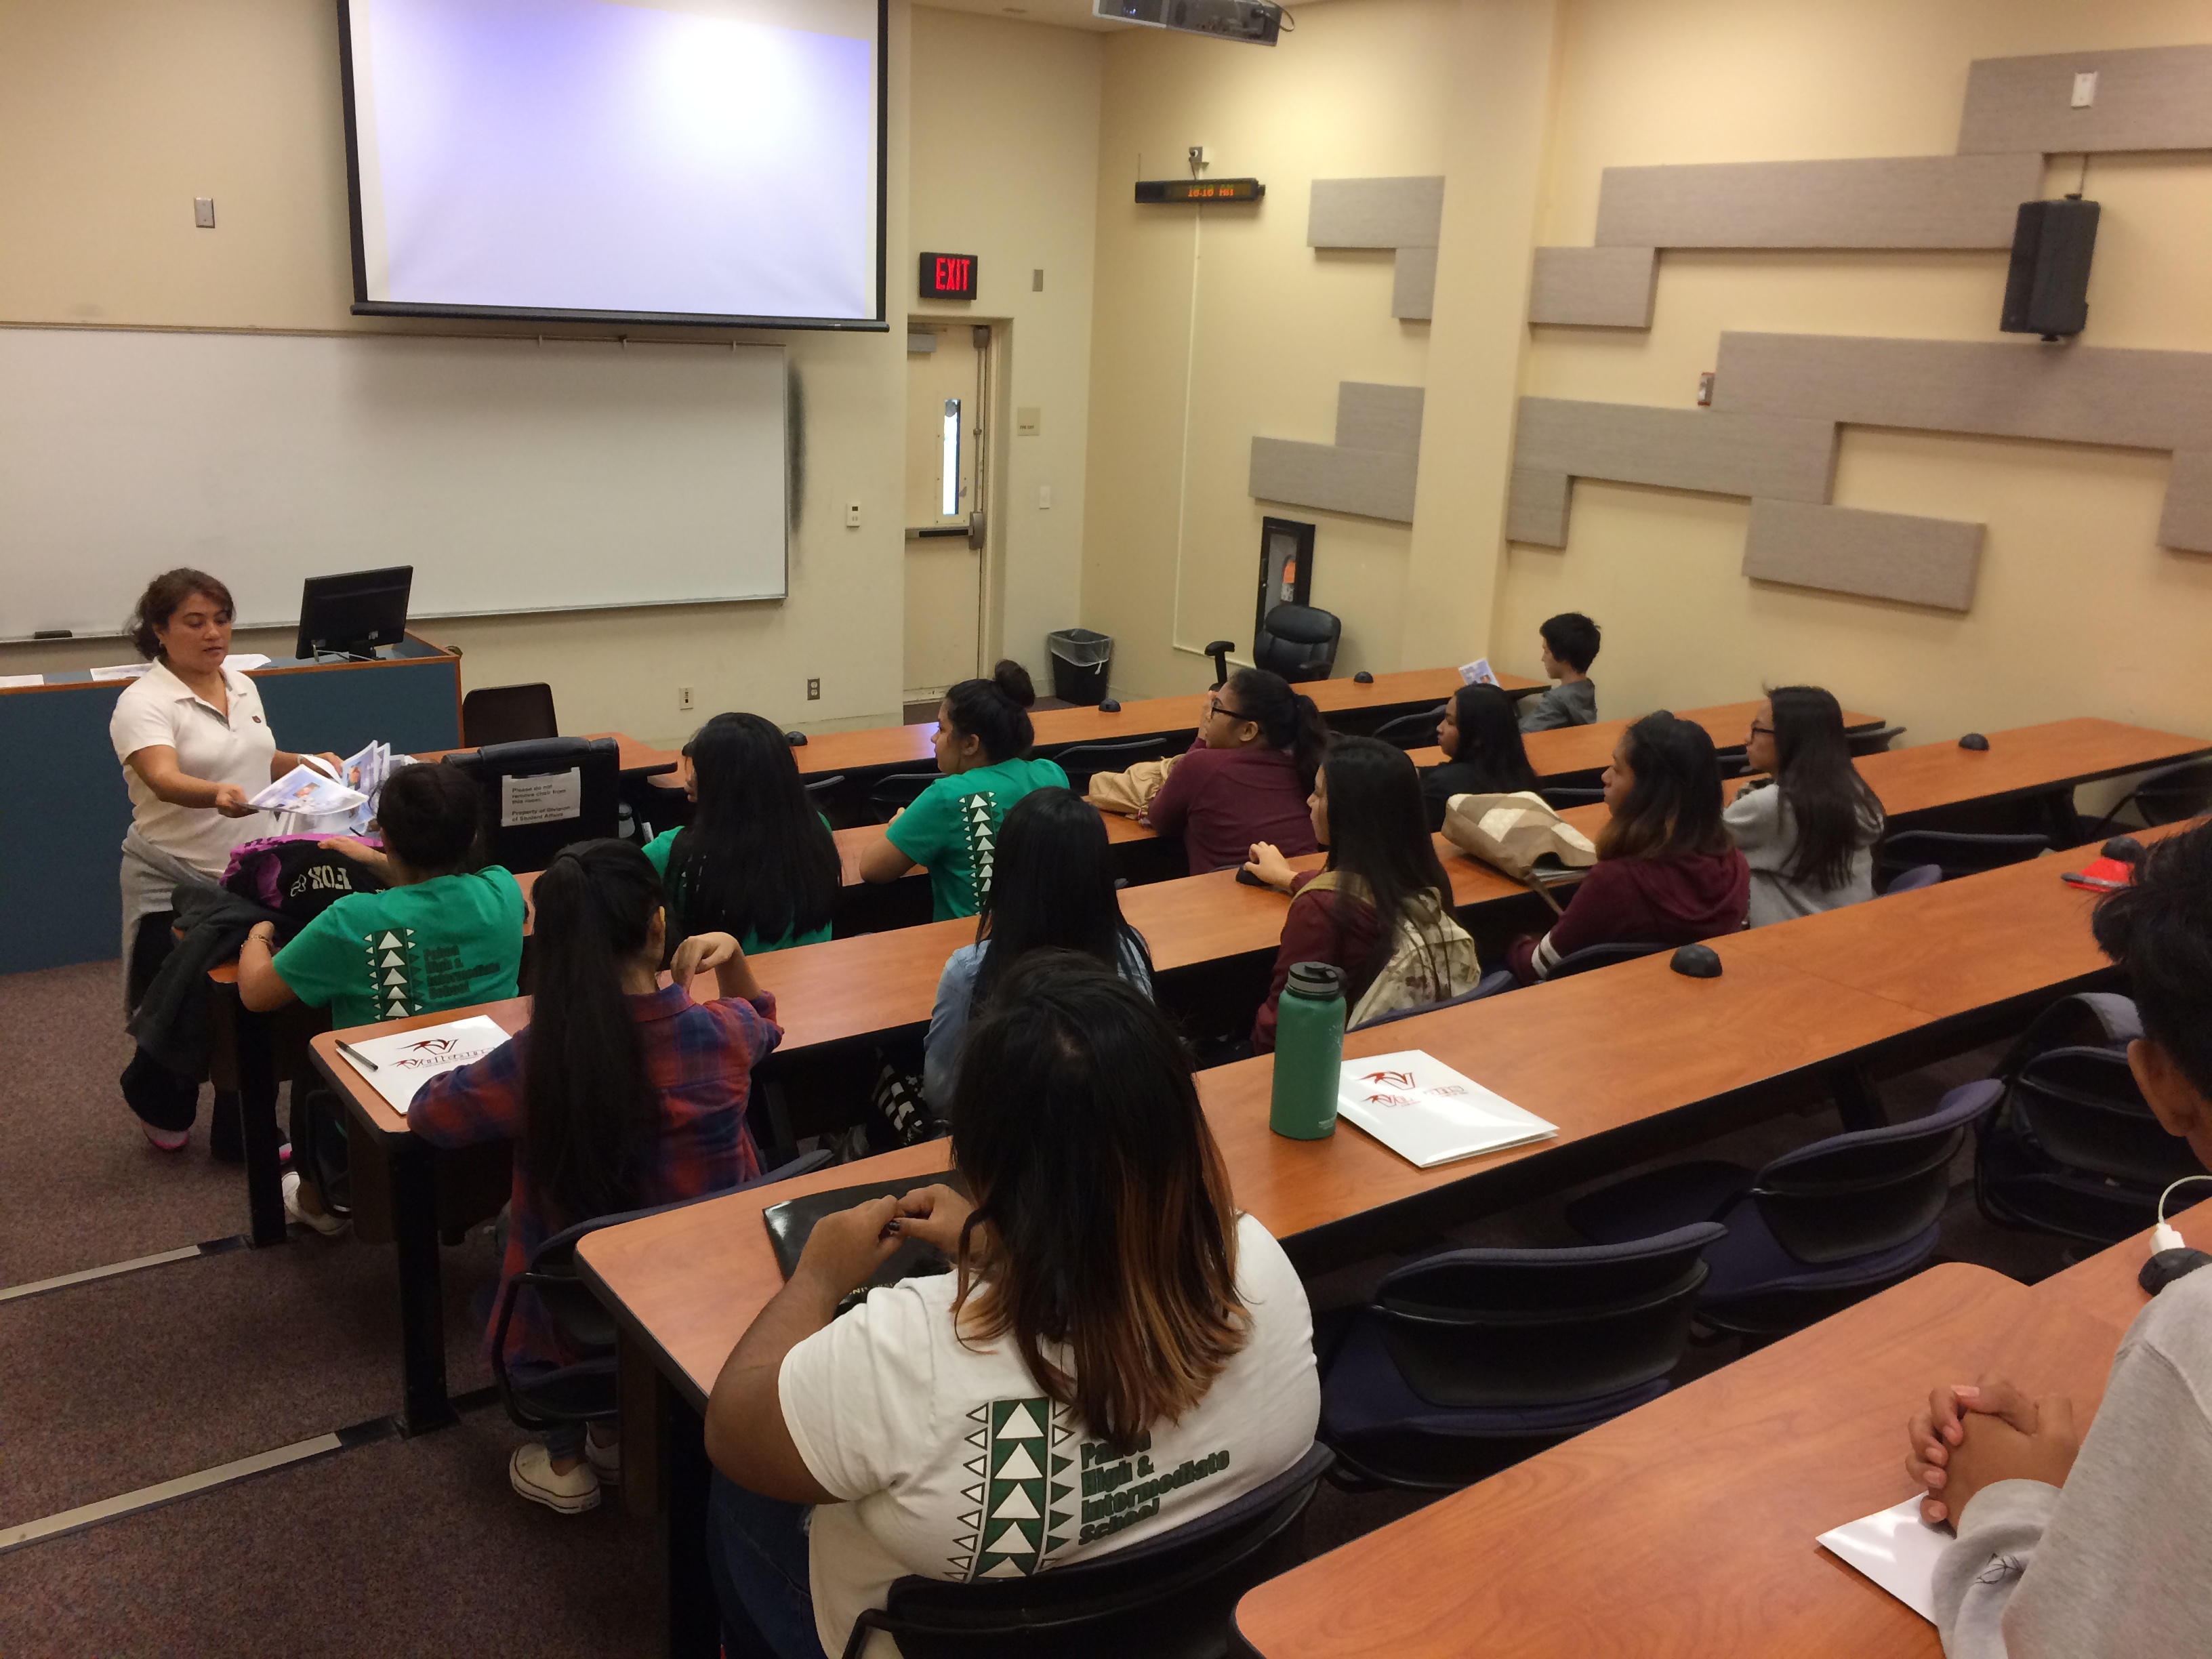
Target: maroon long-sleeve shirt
column 1661, row 900
column 1310, row 935
column 1222, row 800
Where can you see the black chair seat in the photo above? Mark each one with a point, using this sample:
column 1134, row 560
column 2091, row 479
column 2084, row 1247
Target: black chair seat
column 1367, row 1396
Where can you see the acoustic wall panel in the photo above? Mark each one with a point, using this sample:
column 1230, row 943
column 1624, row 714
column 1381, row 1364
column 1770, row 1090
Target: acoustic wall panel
column 1677, row 448
column 1414, row 285
column 1595, row 286
column 1372, row 468
column 1882, row 201
column 2152, row 98
column 1374, row 212
column 1883, row 555
column 2187, row 520
column 1536, row 508
column 1384, row 417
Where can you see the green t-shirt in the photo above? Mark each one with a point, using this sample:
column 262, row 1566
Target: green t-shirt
column 953, row 828
column 444, row 943
column 657, row 850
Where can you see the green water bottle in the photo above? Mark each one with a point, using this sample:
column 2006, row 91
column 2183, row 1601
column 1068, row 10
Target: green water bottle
column 1309, row 1052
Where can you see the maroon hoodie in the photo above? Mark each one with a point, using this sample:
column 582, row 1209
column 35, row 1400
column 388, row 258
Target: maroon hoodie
column 1662, row 900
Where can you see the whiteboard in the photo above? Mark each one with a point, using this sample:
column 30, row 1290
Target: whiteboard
column 513, row 475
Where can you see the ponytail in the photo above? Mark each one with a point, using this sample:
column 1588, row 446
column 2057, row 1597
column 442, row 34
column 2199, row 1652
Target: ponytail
column 1288, row 720
column 997, row 710
column 589, row 1109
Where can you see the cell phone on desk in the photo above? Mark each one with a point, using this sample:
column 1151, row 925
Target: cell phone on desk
column 2100, row 876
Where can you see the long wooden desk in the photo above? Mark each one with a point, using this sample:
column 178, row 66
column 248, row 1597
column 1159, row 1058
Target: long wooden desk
column 2026, row 761
column 2105, row 1286
column 1567, row 749
column 1686, row 1526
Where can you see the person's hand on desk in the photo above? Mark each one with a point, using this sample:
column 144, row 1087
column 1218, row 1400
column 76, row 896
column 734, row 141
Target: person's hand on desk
column 1972, row 1436
column 1265, row 860
column 369, row 858
column 936, row 1215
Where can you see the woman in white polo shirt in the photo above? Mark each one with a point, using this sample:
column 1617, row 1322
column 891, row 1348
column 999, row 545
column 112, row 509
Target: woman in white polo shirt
column 194, row 746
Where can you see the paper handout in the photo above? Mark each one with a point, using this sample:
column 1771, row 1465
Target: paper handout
column 308, row 792
column 1477, row 672
column 1427, row 1113
column 405, row 1060
column 1898, row 1550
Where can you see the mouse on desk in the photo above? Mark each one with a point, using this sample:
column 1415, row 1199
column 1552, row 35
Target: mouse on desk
column 1111, row 706
column 796, row 739
column 2125, row 848
column 1249, row 879
column 1697, row 961
column 2162, row 1269
column 1973, row 740
column 1363, row 678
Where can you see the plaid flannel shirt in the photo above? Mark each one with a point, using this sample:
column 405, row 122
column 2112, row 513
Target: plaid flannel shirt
column 699, row 1056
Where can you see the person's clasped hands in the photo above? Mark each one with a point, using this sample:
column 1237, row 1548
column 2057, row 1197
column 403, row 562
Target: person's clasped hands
column 1969, row 1435
column 846, row 1247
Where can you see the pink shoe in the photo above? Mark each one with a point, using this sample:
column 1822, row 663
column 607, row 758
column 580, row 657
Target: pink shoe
column 169, row 1140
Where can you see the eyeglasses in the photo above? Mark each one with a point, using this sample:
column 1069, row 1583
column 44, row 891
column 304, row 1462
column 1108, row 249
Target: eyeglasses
column 1758, row 731
column 1215, row 706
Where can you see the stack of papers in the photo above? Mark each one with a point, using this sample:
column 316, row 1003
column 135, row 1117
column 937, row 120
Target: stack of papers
column 9, row 682
column 1898, row 1550
column 365, row 772
column 1427, row 1113
column 121, row 671
column 1477, row 672
column 306, row 792
column 396, row 1066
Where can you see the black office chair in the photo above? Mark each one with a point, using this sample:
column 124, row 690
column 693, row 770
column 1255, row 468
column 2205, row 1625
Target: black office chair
column 895, row 792
column 1172, row 1596
column 1495, row 983
column 582, row 1391
column 1219, row 650
column 1559, row 799
column 1409, row 731
column 1912, row 881
column 1602, row 956
column 1735, row 762
column 822, row 788
column 1814, row 1231
column 1470, row 1360
column 1298, row 642
column 2074, row 1150
column 1954, row 852
column 508, row 713
column 2165, row 796
column 1872, row 739
column 508, row 774
column 1080, row 759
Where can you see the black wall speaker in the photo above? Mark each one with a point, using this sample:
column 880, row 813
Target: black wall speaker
column 2047, row 290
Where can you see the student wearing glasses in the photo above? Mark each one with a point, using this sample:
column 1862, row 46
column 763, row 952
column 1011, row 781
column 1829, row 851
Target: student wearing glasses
column 1248, row 776
column 1807, row 829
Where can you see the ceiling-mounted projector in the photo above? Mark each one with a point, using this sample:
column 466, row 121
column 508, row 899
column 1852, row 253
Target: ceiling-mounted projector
column 1256, row 22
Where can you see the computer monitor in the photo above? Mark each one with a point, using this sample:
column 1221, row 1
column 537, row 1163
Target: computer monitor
column 350, row 615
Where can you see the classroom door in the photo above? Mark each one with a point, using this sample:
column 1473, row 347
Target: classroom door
column 947, row 478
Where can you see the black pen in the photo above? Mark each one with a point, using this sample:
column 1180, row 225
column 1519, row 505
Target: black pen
column 356, row 1056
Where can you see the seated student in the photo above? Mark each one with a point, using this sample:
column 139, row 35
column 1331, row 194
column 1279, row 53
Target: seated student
column 1110, row 1307
column 1569, row 646
column 1054, row 887
column 757, row 860
column 1484, row 754
column 1384, row 873
column 2098, row 1553
column 1667, row 873
column 458, row 940
column 982, row 742
column 1809, row 830
column 620, row 1093
column 1246, row 778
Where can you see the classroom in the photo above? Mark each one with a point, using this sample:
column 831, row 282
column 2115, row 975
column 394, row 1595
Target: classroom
column 1211, row 827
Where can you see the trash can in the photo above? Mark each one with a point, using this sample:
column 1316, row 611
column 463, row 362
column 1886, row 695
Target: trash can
column 1080, row 660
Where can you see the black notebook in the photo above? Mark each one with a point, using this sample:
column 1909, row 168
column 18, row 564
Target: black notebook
column 790, row 1222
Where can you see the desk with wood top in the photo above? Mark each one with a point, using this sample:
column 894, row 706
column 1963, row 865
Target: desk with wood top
column 1686, row 1526
column 1566, row 750
column 2105, row 1286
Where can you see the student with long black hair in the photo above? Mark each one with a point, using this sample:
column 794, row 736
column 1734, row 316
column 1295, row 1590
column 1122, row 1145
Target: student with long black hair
column 1054, row 888
column 982, row 744
column 1808, row 829
column 757, row 860
column 1111, row 1314
column 1246, row 779
column 620, row 1093
column 1481, row 736
column 1382, row 877
column 1666, row 872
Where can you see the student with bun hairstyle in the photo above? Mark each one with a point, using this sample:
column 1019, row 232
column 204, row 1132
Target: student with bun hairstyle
column 982, row 743
column 1808, row 829
column 620, row 1093
column 1481, row 736
column 1666, row 873
column 1246, row 778
column 757, row 860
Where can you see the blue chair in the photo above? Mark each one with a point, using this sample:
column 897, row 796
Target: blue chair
column 1602, row 956
column 1470, row 1360
column 1955, row 852
column 2165, row 796
column 1814, row 1231
column 1489, row 985
column 1912, row 881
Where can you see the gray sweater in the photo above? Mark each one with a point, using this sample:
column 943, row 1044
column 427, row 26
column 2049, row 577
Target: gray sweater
column 2117, row 1563
column 1758, row 822
column 1572, row 704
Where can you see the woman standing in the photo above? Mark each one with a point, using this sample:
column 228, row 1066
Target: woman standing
column 195, row 746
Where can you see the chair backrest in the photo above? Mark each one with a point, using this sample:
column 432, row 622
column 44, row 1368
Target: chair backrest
column 1172, row 1596
column 1912, row 881
column 1600, row 956
column 1415, row 730
column 1080, row 759
column 2165, row 796
column 2082, row 1107
column 1499, row 1328
column 897, row 791
column 1559, row 799
column 822, row 788
column 1869, row 1190
column 540, row 795
column 1489, row 985
column 1298, row 641
column 1874, row 739
column 508, row 713
column 1958, row 853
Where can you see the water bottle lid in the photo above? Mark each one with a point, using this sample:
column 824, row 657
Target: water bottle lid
column 1318, row 979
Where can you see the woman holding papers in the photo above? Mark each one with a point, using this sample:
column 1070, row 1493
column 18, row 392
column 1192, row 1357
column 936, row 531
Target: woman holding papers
column 195, row 746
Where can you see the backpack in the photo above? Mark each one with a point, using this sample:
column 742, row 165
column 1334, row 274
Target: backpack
column 296, row 876
column 1432, row 959
column 1130, row 793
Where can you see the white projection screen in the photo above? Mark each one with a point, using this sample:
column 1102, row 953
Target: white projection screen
column 669, row 160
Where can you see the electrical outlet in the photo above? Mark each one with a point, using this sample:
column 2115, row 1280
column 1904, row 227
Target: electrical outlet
column 1044, row 498
column 852, row 515
column 814, row 690
column 683, row 698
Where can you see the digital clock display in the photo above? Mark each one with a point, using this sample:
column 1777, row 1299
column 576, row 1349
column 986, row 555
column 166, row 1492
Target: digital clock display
column 1151, row 190
column 948, row 276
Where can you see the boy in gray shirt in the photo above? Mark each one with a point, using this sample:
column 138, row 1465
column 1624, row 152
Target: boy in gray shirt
column 1569, row 647
column 2097, row 1547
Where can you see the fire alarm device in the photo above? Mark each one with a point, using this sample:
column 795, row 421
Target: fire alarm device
column 948, row 276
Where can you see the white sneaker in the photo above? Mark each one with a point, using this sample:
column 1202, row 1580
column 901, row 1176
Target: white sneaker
column 169, row 1140
column 329, row 1226
column 530, row 1472
column 605, row 1461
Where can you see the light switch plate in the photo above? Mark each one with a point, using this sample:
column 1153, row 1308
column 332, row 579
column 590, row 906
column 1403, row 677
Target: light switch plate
column 852, row 515
column 203, row 212
column 2085, row 88
column 1044, row 498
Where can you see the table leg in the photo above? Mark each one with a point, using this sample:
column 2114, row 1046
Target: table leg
column 1857, row 1097
column 257, row 1091
column 695, row 1622
column 421, row 1289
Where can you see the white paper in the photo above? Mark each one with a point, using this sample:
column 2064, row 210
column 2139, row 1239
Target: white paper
column 121, row 671
column 407, row 1059
column 1427, row 1113
column 307, row 792
column 9, row 680
column 547, row 799
column 246, row 661
column 1898, row 1550
column 1477, row 672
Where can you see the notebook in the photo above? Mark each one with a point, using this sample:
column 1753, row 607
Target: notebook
column 397, row 1065
column 1427, row 1113
column 790, row 1222
column 1896, row 1549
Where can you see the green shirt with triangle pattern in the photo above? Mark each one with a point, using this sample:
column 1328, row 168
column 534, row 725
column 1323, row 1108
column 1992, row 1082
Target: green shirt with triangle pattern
column 444, row 943
column 953, row 828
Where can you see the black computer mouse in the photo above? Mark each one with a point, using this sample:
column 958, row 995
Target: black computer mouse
column 796, row 739
column 1109, row 706
column 1697, row 961
column 1973, row 740
column 2126, row 849
column 1250, row 879
column 2162, row 1269
column 1363, row 678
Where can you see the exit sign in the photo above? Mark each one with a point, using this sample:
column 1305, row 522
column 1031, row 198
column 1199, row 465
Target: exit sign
column 948, row 276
